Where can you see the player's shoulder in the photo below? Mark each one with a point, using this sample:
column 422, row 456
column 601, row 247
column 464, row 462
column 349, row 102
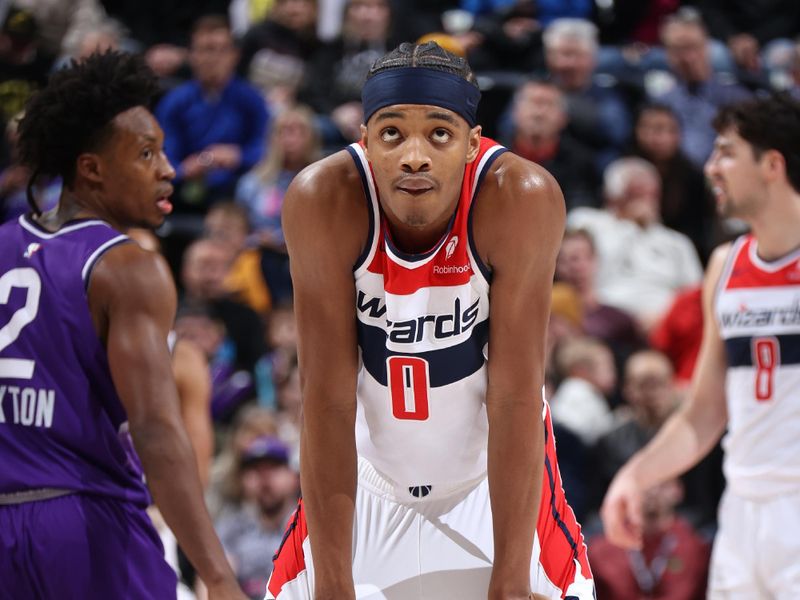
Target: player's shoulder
column 715, row 269
column 518, row 211
column 130, row 269
column 516, row 191
column 719, row 256
column 326, row 204
column 516, row 177
column 327, row 183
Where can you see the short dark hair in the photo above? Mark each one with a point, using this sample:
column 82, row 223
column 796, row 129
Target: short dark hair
column 429, row 55
column 658, row 107
column 209, row 23
column 73, row 112
column 771, row 123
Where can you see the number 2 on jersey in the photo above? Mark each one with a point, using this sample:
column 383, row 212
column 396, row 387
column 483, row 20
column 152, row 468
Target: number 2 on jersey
column 765, row 360
column 408, row 387
column 27, row 279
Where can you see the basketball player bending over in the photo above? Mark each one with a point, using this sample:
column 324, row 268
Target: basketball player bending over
column 748, row 375
column 84, row 364
column 422, row 260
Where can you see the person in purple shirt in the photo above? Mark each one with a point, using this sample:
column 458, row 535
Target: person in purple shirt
column 85, row 371
column 216, row 124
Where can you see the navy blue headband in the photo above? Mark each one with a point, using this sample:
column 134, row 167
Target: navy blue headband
column 419, row 85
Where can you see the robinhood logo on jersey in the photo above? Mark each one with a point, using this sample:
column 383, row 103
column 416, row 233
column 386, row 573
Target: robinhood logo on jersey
column 413, row 330
column 761, row 317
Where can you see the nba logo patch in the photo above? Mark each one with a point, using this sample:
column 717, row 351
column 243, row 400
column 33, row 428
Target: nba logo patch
column 32, row 248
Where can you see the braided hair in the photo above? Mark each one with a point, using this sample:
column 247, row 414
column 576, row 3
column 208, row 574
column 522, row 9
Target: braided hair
column 429, row 55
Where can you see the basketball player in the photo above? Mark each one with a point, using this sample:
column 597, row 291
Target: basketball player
column 748, row 374
column 84, row 364
column 428, row 470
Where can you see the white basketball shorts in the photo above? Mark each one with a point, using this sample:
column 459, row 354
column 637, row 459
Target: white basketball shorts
column 439, row 546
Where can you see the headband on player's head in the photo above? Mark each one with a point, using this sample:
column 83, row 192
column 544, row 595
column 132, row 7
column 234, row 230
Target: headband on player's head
column 419, row 85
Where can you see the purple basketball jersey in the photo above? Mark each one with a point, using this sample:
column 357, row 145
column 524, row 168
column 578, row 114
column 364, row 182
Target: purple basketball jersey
column 62, row 424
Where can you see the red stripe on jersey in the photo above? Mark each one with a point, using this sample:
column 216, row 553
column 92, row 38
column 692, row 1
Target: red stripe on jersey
column 290, row 561
column 442, row 270
column 746, row 274
column 559, row 532
column 451, row 265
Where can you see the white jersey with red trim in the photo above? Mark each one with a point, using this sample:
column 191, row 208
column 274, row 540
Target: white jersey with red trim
column 758, row 312
column 423, row 329
column 422, row 523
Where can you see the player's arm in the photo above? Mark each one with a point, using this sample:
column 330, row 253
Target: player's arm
column 132, row 299
column 318, row 223
column 687, row 436
column 521, row 242
column 193, row 379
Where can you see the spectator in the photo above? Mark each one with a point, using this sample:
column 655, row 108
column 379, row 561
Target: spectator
column 58, row 19
column 290, row 405
column 338, row 69
column 672, row 563
column 253, row 533
column 227, row 222
column 758, row 33
column 294, row 144
column 566, row 313
column 206, row 265
column 24, row 65
column 199, row 323
column 598, row 115
column 696, row 93
column 275, row 52
column 500, row 36
column 539, row 118
column 586, row 369
column 642, row 264
column 156, row 24
column 225, row 494
column 106, row 34
column 686, row 205
column 281, row 359
column 650, row 396
column 214, row 125
column 577, row 266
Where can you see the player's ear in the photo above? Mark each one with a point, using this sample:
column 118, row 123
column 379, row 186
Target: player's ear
column 364, row 140
column 88, row 167
column 474, row 143
column 774, row 163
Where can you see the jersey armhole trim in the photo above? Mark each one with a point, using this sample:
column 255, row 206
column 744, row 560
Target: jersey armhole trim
column 486, row 162
column 360, row 160
column 727, row 268
column 90, row 263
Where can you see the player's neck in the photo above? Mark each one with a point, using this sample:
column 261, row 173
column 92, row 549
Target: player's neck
column 72, row 206
column 777, row 231
column 417, row 240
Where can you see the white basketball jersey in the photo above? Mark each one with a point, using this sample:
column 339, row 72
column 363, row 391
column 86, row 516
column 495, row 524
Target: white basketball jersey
column 423, row 329
column 758, row 311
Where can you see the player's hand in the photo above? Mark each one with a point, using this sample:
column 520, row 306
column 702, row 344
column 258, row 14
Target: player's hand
column 226, row 590
column 226, row 156
column 622, row 512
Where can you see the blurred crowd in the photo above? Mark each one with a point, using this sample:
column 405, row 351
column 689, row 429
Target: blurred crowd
column 614, row 97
